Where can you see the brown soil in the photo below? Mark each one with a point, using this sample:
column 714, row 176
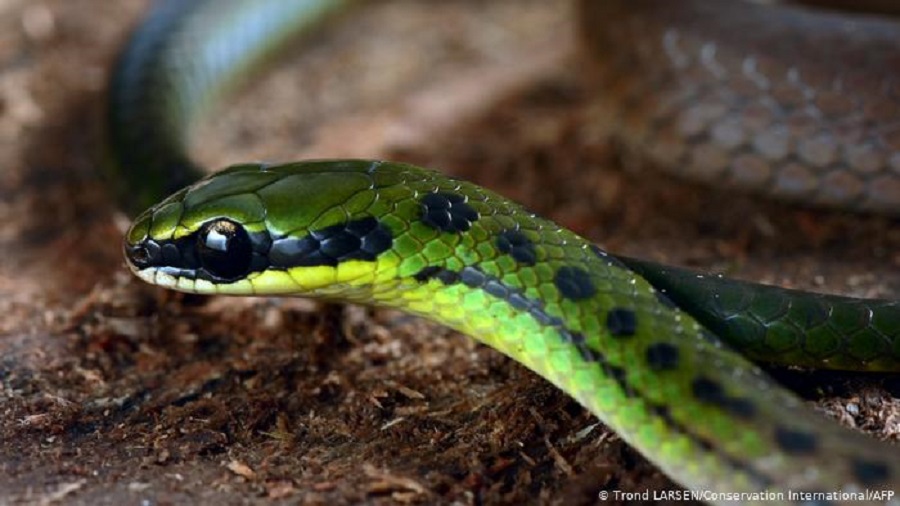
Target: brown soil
column 114, row 392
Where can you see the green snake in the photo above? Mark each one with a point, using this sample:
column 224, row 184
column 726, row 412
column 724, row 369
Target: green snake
column 651, row 351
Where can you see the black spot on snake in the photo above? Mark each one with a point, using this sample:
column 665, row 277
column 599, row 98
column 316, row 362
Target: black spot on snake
column 795, row 441
column 621, row 322
column 447, row 212
column 427, row 273
column 710, row 392
column 662, row 356
column 445, row 276
column 574, row 283
column 707, row 390
column 870, row 473
column 621, row 378
column 742, row 408
column 516, row 245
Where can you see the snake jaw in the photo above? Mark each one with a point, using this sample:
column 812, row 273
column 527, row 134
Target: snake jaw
column 158, row 277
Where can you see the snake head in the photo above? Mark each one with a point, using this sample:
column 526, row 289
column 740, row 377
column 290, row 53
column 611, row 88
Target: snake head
column 251, row 229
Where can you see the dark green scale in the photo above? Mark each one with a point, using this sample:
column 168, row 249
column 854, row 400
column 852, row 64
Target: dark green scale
column 782, row 326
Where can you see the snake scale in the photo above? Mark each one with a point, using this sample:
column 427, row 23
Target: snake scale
column 649, row 350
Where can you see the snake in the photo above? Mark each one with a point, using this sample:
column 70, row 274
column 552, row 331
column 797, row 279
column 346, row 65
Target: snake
column 663, row 356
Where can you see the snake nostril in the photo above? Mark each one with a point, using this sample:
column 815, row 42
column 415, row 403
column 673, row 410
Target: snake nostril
column 138, row 255
column 143, row 254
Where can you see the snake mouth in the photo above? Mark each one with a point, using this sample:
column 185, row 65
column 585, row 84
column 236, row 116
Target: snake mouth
column 165, row 263
column 140, row 264
column 156, row 276
column 180, row 280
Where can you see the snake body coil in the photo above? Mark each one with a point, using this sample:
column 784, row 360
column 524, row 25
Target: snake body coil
column 396, row 235
column 797, row 103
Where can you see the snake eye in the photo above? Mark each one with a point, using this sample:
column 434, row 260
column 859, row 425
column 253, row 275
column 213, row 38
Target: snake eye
column 224, row 249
